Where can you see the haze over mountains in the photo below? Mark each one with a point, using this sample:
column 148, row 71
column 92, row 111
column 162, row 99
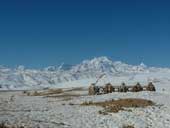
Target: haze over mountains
column 21, row 78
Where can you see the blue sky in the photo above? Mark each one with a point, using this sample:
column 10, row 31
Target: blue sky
column 38, row 33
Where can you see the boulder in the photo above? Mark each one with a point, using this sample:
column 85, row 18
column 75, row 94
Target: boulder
column 123, row 88
column 150, row 87
column 108, row 88
column 92, row 89
column 137, row 88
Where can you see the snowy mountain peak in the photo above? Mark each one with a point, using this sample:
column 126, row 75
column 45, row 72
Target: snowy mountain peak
column 62, row 67
column 20, row 67
column 107, row 66
column 51, row 68
column 101, row 59
column 100, row 64
column 143, row 65
column 97, row 60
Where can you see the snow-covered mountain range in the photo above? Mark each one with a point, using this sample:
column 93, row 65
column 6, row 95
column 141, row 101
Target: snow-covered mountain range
column 54, row 76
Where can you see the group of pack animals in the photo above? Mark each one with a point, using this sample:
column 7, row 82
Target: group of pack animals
column 109, row 88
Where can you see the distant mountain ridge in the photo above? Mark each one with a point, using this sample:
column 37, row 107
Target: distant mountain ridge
column 53, row 75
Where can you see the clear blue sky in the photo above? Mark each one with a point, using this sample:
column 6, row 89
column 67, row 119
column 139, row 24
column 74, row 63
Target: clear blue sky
column 38, row 33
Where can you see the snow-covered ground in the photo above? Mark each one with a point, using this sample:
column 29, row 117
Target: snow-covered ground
column 56, row 112
column 66, row 111
column 59, row 112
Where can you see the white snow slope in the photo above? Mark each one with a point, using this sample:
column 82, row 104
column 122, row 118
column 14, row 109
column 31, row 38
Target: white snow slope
column 79, row 75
